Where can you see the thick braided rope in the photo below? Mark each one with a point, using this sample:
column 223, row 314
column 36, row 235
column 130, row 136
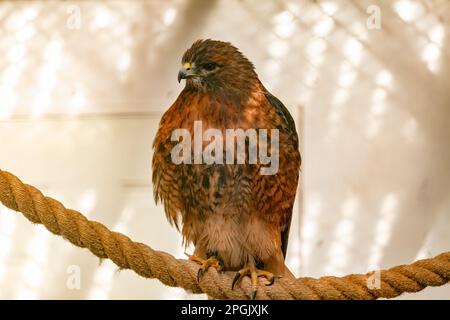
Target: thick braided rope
column 150, row 263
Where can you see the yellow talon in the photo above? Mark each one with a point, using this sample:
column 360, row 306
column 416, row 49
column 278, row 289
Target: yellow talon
column 254, row 274
column 205, row 264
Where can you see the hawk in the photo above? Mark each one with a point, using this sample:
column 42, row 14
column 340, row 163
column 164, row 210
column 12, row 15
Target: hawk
column 237, row 218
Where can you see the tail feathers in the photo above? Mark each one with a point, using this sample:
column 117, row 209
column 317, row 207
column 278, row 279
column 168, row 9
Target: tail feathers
column 287, row 273
column 277, row 266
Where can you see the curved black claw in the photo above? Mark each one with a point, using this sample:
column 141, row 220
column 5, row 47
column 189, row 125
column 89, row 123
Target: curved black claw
column 253, row 294
column 236, row 278
column 200, row 274
column 271, row 281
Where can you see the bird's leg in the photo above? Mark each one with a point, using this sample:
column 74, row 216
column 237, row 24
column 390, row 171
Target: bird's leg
column 254, row 273
column 212, row 261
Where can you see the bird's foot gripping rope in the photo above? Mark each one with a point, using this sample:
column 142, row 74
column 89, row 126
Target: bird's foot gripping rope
column 205, row 264
column 254, row 273
column 149, row 263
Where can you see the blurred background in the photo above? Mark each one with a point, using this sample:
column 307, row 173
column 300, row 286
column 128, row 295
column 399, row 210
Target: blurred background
column 83, row 85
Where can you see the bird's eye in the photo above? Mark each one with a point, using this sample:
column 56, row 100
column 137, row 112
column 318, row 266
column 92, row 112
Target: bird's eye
column 209, row 66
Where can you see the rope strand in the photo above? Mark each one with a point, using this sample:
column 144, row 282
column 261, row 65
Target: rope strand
column 149, row 263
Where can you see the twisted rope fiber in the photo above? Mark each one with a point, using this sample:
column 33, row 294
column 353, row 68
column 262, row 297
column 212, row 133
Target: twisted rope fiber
column 173, row 272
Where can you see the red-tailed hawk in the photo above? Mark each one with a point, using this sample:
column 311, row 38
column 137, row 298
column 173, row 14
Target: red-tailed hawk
column 236, row 212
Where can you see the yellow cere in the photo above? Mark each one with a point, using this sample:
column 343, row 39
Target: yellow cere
column 187, row 65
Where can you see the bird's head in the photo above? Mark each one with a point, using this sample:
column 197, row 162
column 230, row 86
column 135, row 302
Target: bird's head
column 211, row 65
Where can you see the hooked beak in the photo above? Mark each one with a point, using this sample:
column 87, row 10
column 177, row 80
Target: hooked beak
column 182, row 74
column 185, row 72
